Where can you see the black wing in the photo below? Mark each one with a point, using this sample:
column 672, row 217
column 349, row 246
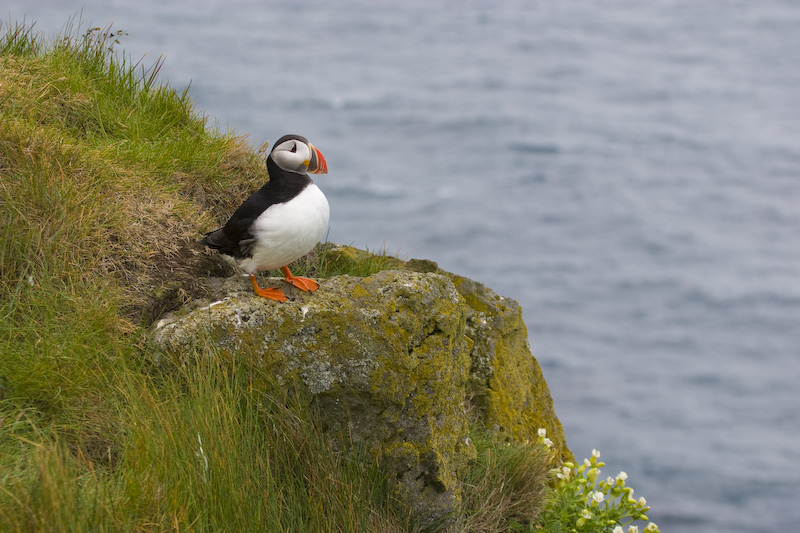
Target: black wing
column 235, row 238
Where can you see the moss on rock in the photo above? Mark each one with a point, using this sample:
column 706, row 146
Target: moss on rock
column 396, row 361
column 384, row 358
column 506, row 379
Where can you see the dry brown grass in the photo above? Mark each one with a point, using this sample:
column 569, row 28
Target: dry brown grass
column 505, row 488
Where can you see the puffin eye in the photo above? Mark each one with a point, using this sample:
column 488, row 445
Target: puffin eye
column 294, row 148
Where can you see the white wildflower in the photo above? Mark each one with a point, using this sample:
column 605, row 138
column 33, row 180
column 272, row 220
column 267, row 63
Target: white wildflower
column 633, row 529
column 598, row 496
column 596, row 454
column 642, row 502
column 548, row 442
column 586, row 514
column 542, row 432
column 618, row 529
column 623, row 476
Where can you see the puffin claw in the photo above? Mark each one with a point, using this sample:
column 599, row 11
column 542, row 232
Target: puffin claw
column 272, row 294
column 305, row 284
column 269, row 292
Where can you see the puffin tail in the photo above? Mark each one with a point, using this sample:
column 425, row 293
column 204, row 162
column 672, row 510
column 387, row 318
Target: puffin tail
column 216, row 239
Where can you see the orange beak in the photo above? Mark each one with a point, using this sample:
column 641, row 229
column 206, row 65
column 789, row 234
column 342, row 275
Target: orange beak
column 317, row 165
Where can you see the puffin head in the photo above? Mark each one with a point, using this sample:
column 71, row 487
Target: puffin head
column 294, row 153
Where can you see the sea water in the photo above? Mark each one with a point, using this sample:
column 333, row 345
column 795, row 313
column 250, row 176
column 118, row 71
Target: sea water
column 628, row 171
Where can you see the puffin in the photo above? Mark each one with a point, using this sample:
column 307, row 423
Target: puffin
column 281, row 221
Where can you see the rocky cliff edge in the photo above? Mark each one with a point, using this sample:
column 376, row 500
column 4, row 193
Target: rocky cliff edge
column 404, row 362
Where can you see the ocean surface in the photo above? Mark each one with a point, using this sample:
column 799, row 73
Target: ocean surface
column 628, row 171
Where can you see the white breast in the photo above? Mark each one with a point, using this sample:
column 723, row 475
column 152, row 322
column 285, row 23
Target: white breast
column 287, row 231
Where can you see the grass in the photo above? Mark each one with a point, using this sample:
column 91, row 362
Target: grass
column 505, row 488
column 107, row 179
column 197, row 448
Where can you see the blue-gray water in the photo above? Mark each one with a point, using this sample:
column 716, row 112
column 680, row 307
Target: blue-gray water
column 629, row 171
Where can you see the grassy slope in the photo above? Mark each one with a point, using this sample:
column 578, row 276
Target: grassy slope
column 106, row 178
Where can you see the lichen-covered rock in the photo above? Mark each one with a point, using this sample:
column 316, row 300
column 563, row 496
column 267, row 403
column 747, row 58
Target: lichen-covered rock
column 391, row 360
column 506, row 381
column 385, row 358
column 505, row 378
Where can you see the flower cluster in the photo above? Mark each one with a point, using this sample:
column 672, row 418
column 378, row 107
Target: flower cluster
column 583, row 502
column 543, row 438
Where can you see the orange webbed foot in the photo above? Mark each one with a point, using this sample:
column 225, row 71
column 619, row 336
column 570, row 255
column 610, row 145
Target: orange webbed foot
column 270, row 292
column 305, row 284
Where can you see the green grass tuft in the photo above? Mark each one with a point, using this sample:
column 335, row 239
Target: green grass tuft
column 337, row 260
column 505, row 488
column 202, row 448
